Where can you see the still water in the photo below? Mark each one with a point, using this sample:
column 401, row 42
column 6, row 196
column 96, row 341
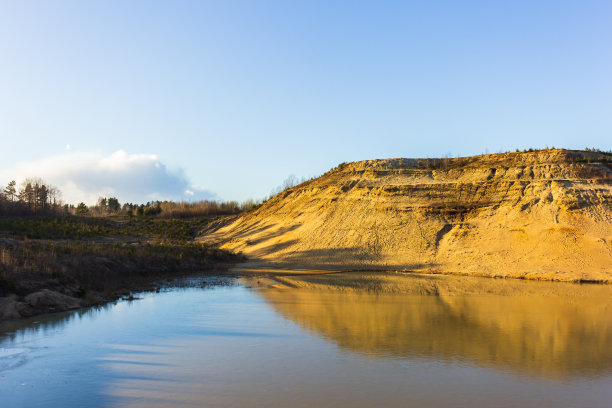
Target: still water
column 240, row 346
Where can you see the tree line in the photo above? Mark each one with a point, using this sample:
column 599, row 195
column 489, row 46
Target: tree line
column 34, row 197
column 164, row 209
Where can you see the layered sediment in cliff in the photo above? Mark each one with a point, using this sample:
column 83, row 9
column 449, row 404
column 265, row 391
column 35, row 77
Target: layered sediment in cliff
column 536, row 215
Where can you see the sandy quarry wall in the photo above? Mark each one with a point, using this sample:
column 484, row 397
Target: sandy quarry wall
column 537, row 215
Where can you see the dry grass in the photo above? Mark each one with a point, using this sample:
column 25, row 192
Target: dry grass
column 183, row 209
column 77, row 267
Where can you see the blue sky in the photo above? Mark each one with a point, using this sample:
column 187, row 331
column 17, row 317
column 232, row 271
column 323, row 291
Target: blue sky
column 228, row 98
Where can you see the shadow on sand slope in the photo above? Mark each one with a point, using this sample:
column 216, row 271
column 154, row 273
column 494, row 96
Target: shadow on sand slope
column 323, row 259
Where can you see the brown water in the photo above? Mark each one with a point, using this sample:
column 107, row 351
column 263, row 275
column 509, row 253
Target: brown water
column 327, row 345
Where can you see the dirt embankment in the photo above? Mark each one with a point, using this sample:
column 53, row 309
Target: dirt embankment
column 542, row 215
column 46, row 276
column 62, row 270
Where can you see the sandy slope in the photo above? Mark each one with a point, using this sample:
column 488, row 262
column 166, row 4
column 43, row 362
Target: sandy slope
column 540, row 215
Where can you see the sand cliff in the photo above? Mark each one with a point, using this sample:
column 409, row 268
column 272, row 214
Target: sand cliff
column 534, row 215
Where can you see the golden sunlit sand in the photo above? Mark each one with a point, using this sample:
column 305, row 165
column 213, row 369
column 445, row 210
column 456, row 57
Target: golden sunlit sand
column 542, row 215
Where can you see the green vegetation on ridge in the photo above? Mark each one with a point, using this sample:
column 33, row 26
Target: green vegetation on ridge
column 79, row 227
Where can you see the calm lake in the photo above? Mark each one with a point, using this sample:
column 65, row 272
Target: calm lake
column 235, row 345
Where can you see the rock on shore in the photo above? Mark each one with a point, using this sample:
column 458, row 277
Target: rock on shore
column 44, row 301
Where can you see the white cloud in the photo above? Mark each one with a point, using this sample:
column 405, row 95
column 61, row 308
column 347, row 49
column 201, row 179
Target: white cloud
column 129, row 177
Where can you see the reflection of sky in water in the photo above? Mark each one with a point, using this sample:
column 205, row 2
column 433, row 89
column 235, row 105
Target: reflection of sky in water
column 234, row 347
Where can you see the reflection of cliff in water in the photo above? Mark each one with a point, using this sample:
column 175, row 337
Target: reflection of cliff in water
column 547, row 335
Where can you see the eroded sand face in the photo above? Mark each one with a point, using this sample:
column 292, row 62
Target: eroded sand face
column 542, row 215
